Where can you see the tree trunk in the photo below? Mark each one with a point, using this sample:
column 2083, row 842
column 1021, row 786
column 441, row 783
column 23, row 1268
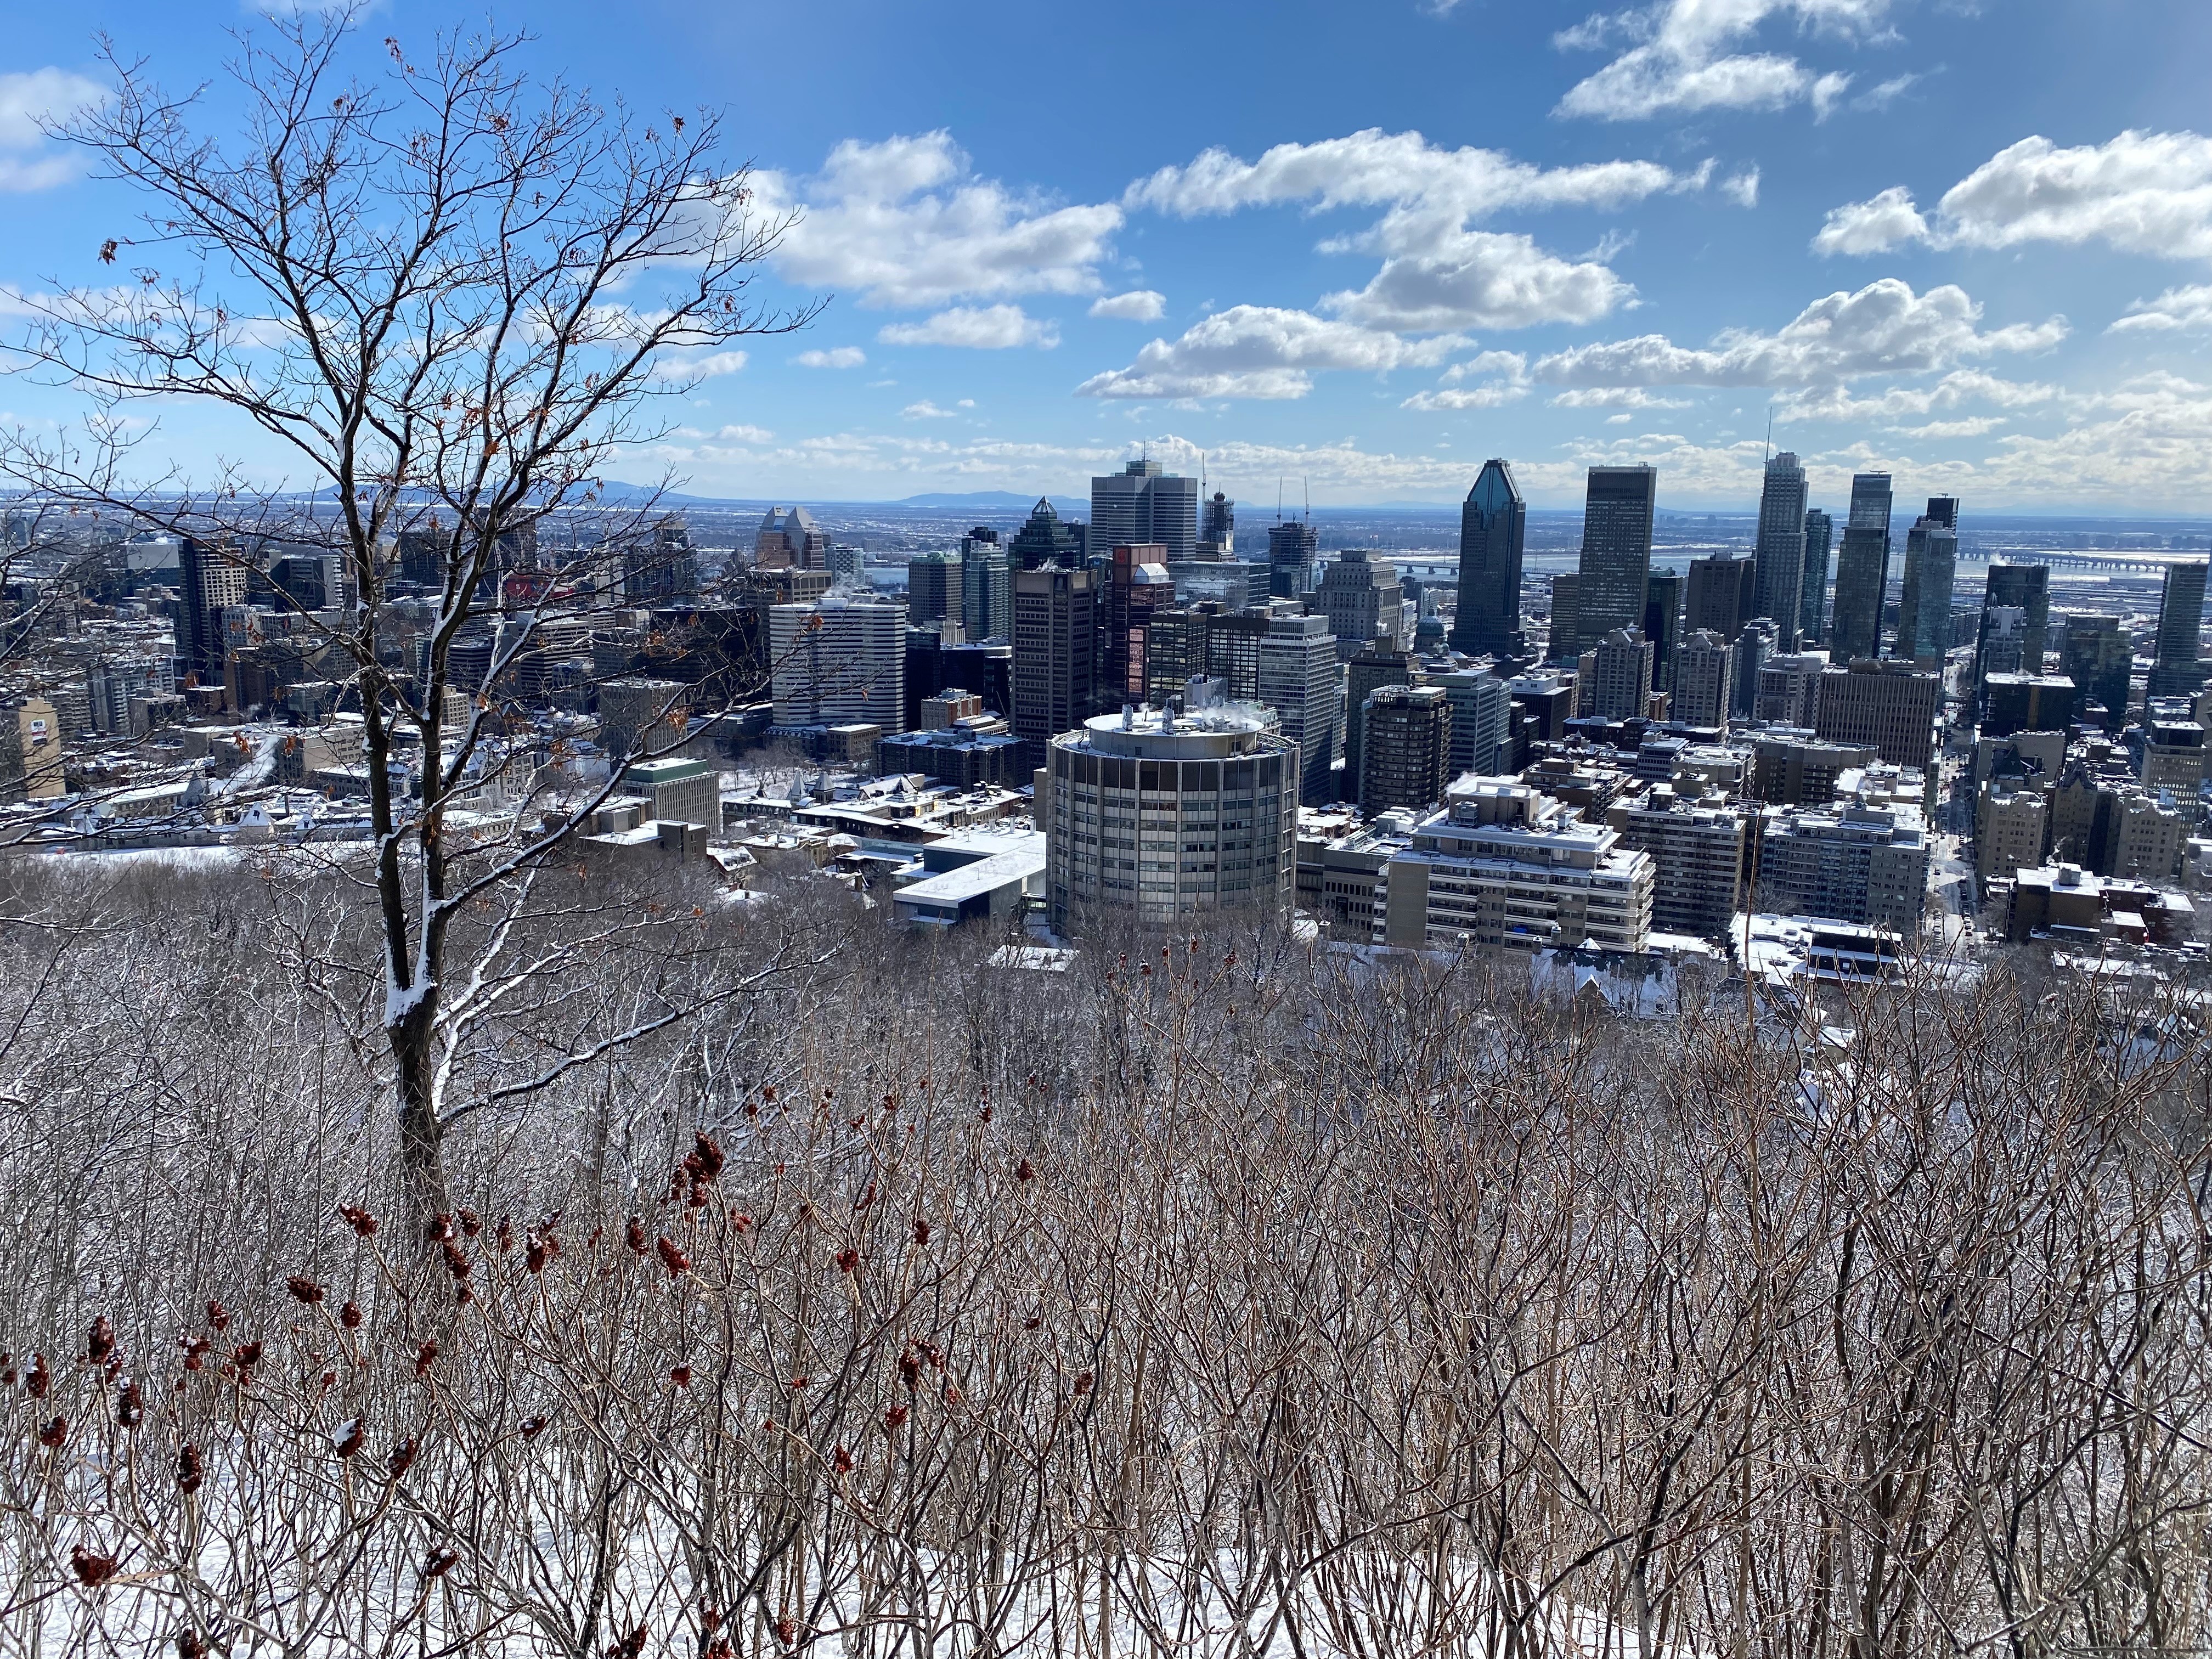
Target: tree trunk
column 421, row 1160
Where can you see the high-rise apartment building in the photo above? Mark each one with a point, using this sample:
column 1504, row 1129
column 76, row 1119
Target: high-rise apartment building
column 1701, row 680
column 1857, row 864
column 1046, row 538
column 1886, row 704
column 1056, row 635
column 1759, row 641
column 1697, row 859
column 933, row 588
column 208, row 582
column 1405, row 747
column 1506, row 868
column 1564, row 644
column 1493, row 525
column 1779, row 554
column 1931, row 563
column 1789, row 691
column 1482, row 718
column 1360, row 596
column 1142, row 504
column 1615, row 566
column 1812, row 593
column 1293, row 550
column 2177, row 667
column 1159, row 816
column 2097, row 655
column 839, row 660
column 986, row 585
column 1791, row 769
column 1862, row 571
column 1301, row 680
column 1373, row 667
column 1718, row 597
column 1663, row 625
column 1620, row 680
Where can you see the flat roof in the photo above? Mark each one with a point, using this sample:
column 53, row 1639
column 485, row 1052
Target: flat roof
column 974, row 880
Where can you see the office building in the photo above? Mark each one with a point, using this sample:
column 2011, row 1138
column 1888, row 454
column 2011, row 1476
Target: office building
column 1663, row 625
column 1046, row 538
column 1789, row 692
column 839, row 660
column 1794, row 768
column 1778, row 553
column 1217, row 527
column 2027, row 703
column 209, row 582
column 1564, row 643
column 964, row 755
column 1056, row 638
column 2097, row 655
column 674, row 790
column 112, row 685
column 934, row 593
column 1372, row 668
column 1159, row 816
column 1931, row 563
column 1293, row 550
column 1300, row 680
column 1620, row 680
column 1812, row 593
column 1614, row 569
column 790, row 539
column 1138, row 587
column 1759, row 641
column 2004, row 645
column 1405, row 748
column 660, row 567
column 1504, row 867
column 1889, row 705
column 1862, row 571
column 2177, row 668
column 1701, row 680
column 1141, row 505
column 1857, row 864
column 1718, row 598
column 1482, row 715
column 986, row 585
column 1493, row 525
column 1360, row 596
column 1696, row 850
column 1233, row 584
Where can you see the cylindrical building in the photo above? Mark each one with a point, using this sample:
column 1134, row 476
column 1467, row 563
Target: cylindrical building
column 1155, row 816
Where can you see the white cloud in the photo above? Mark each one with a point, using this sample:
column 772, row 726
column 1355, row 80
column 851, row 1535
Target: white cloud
column 834, row 357
column 26, row 100
column 2176, row 308
column 926, row 410
column 1684, row 58
column 1262, row 352
column 2142, row 192
column 1884, row 328
column 1958, row 387
column 1869, row 226
column 1743, row 188
column 745, row 434
column 1137, row 306
column 677, row 370
column 1973, row 426
column 1882, row 97
column 1504, row 376
column 1439, row 277
column 906, row 223
column 1615, row 397
column 979, row 328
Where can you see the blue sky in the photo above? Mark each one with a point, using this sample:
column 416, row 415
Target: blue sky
column 1368, row 243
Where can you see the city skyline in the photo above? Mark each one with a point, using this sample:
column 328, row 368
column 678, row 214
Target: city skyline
column 1943, row 258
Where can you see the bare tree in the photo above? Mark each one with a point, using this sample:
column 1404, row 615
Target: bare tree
column 450, row 295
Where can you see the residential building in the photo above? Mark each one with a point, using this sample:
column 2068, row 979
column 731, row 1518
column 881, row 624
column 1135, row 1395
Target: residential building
column 1616, row 566
column 2012, row 826
column 1492, row 527
column 30, row 751
column 1300, row 680
column 1159, row 816
column 1405, row 748
column 1858, row 864
column 1788, row 689
column 1142, row 505
column 2177, row 668
column 1931, row 562
column 1779, row 555
column 965, row 753
column 2063, row 903
column 1360, row 596
column 1889, row 705
column 1754, row 646
column 1794, row 769
column 838, row 660
column 1696, row 849
column 1718, row 597
column 1620, row 679
column 1504, row 867
column 1862, row 571
column 1055, row 629
column 1481, row 719
column 1370, row 669
column 2148, row 833
column 1813, row 595
column 1701, row 680
column 209, row 582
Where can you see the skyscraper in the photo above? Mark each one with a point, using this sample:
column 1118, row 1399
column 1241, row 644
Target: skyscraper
column 1563, row 642
column 1137, row 586
column 933, row 588
column 1055, row 629
column 1299, row 679
column 1493, row 526
column 986, row 585
column 1406, row 756
column 1045, row 538
column 1219, row 529
column 1862, row 571
column 1813, row 597
column 2025, row 588
column 1758, row 641
column 1360, row 596
column 1719, row 595
column 1931, row 562
column 2177, row 667
column 1293, row 548
column 2097, row 656
column 1140, row 504
column 1616, row 566
column 1779, row 555
column 208, row 579
column 1373, row 667
column 789, row 539
column 1701, row 680
column 1663, row 625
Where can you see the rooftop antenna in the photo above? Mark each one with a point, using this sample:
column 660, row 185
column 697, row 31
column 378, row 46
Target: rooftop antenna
column 1306, row 484
column 1769, row 431
column 1279, row 500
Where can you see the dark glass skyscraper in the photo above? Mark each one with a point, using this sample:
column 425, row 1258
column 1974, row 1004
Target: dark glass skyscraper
column 1293, row 550
column 1663, row 625
column 1862, row 571
column 1931, row 564
column 2024, row 587
column 1615, row 566
column 1493, row 526
column 2177, row 669
column 1813, row 594
column 1779, row 555
column 1046, row 538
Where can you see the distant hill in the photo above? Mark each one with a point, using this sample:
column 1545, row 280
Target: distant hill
column 999, row 500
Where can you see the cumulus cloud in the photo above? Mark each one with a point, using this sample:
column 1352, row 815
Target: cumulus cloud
column 1682, row 56
column 27, row 101
column 1437, row 272
column 1502, row 378
column 1743, row 188
column 834, row 357
column 1137, row 306
column 2176, row 308
column 906, row 223
column 979, row 328
column 1958, row 387
column 1262, row 352
column 679, row 371
column 1615, row 397
column 2142, row 192
column 926, row 410
column 1885, row 328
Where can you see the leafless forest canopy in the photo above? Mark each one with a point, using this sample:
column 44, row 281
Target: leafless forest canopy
column 1212, row 1297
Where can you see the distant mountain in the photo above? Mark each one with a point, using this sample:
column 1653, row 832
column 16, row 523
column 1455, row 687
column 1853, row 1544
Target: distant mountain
column 999, row 500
